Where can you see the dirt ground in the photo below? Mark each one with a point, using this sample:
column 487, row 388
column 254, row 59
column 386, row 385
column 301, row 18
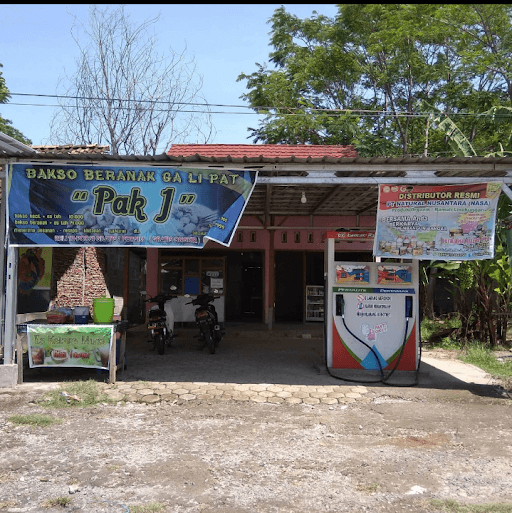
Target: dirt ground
column 398, row 449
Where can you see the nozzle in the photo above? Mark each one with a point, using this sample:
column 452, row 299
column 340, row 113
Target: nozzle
column 340, row 304
column 408, row 306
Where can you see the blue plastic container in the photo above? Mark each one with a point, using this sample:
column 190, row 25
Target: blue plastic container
column 81, row 314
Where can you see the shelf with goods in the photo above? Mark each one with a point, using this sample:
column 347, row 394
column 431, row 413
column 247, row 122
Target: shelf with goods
column 314, row 303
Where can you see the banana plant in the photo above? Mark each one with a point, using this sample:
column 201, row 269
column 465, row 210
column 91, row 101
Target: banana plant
column 460, row 144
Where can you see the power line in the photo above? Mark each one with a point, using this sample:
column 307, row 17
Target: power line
column 93, row 98
column 300, row 111
column 130, row 108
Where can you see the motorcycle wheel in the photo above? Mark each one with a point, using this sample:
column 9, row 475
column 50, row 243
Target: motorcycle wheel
column 209, row 342
column 160, row 343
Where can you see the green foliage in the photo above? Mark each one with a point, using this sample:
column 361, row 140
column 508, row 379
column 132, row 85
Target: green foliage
column 431, row 329
column 152, row 507
column 483, row 357
column 482, row 288
column 369, row 75
column 5, row 124
column 4, row 92
column 34, row 420
column 76, row 394
column 57, row 501
column 452, row 506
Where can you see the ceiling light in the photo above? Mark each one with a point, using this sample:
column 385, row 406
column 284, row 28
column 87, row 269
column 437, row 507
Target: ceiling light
column 303, row 199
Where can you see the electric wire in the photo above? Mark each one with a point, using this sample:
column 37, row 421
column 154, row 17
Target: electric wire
column 300, row 111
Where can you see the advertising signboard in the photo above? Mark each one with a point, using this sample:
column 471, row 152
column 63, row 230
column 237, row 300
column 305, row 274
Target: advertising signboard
column 447, row 222
column 69, row 345
column 91, row 205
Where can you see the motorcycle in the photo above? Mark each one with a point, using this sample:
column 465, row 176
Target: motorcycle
column 206, row 318
column 161, row 321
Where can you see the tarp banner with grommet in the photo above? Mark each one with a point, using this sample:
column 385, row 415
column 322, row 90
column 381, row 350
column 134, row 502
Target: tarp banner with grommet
column 446, row 222
column 92, row 205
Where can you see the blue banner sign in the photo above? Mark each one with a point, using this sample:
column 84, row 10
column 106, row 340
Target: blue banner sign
column 91, row 205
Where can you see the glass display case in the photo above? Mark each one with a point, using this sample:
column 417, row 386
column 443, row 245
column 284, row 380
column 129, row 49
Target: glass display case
column 314, row 303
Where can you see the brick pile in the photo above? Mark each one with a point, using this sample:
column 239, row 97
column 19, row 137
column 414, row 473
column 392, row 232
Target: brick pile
column 79, row 276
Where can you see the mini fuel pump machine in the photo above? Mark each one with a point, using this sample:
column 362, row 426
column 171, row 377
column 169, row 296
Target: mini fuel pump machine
column 371, row 316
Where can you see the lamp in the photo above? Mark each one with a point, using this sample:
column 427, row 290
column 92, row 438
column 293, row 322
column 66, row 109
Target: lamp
column 303, row 199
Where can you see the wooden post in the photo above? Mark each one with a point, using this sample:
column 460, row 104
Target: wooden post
column 112, row 364
column 126, row 283
column 270, row 268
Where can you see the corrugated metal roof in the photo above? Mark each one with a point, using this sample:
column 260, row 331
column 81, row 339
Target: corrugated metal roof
column 288, row 162
column 165, row 159
column 251, row 154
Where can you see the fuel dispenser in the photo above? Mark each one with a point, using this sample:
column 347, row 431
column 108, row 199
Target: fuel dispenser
column 372, row 315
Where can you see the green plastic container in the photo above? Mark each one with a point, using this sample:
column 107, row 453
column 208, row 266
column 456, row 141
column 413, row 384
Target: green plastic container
column 103, row 310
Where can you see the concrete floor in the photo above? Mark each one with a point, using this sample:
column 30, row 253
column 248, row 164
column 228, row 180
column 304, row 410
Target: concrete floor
column 289, row 354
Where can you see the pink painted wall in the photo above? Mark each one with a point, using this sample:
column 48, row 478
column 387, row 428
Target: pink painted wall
column 301, row 235
column 297, row 236
column 152, row 272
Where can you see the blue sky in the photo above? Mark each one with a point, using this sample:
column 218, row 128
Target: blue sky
column 225, row 39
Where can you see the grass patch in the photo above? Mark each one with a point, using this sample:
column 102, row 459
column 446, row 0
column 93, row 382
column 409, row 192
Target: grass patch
column 368, row 488
column 436, row 332
column 57, row 501
column 451, row 506
column 77, row 394
column 34, row 420
column 485, row 359
column 152, row 507
column 474, row 352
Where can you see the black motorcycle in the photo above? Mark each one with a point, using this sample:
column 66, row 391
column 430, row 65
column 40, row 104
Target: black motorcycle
column 206, row 318
column 159, row 323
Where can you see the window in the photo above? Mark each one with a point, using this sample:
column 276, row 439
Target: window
column 193, row 275
column 171, row 273
column 212, row 281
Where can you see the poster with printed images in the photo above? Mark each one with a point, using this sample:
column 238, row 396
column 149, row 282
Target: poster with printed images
column 446, row 222
column 69, row 345
column 390, row 274
column 356, row 274
column 90, row 205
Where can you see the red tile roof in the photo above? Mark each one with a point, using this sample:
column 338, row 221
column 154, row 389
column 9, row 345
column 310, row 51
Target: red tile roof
column 302, row 151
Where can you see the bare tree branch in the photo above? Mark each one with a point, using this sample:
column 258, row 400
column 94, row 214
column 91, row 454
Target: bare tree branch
column 127, row 95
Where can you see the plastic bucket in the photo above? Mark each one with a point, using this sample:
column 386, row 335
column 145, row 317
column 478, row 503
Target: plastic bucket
column 102, row 310
column 81, row 314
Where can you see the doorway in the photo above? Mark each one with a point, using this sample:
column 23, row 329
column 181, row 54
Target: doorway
column 244, row 293
column 289, row 302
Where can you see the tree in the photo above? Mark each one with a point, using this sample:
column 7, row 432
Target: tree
column 6, row 124
column 366, row 73
column 374, row 74
column 125, row 94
